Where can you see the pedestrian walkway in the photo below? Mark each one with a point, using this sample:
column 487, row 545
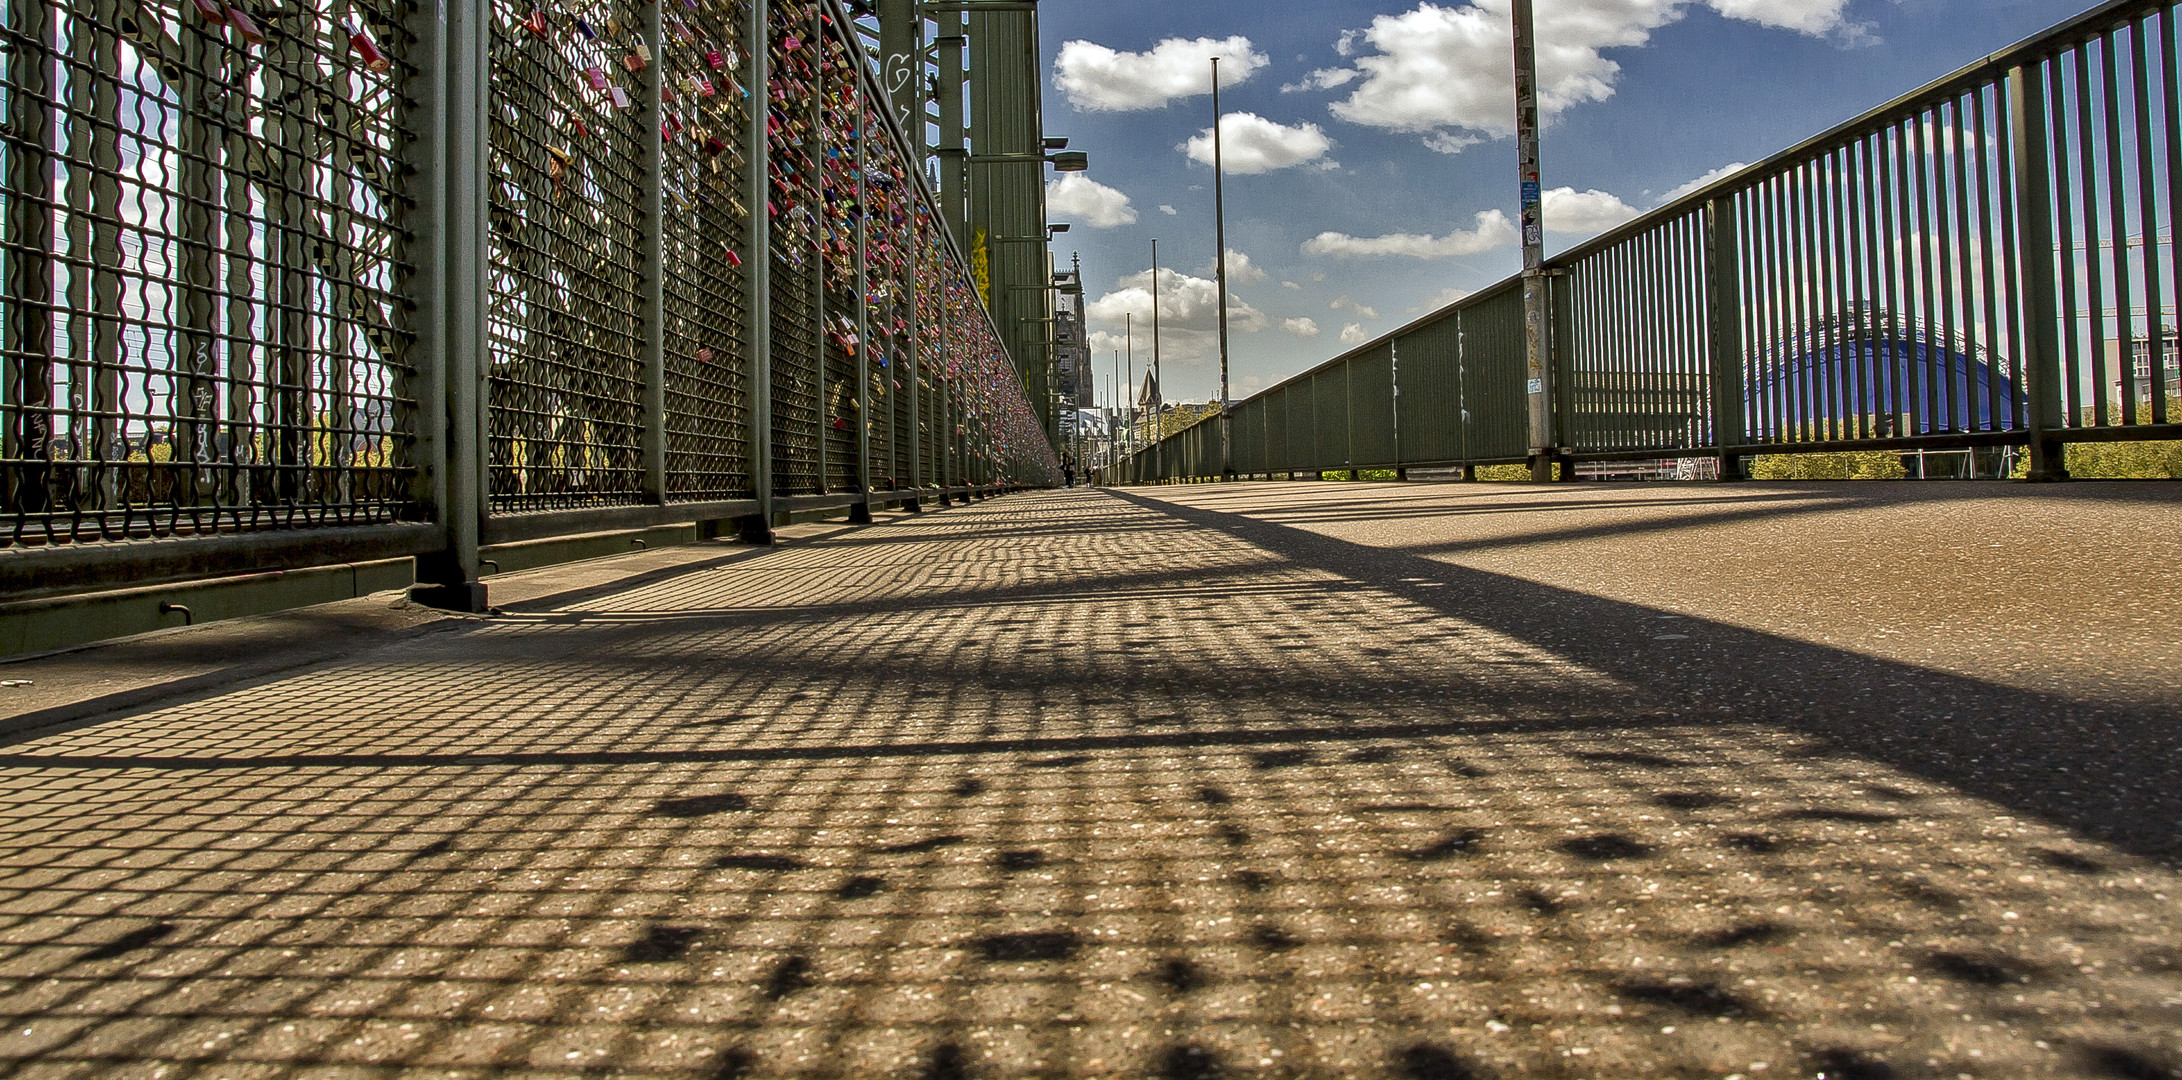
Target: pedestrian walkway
column 1310, row 780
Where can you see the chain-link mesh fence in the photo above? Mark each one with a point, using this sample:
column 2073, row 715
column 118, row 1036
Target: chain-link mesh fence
column 203, row 269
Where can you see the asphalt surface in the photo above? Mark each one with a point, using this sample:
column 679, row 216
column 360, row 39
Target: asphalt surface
column 1306, row 780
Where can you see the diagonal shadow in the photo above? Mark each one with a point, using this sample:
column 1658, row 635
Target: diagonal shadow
column 2107, row 771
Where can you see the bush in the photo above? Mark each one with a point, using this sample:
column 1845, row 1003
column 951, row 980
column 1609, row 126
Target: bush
column 2148, row 460
column 1852, row 465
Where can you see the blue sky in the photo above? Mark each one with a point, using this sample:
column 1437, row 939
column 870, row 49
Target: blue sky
column 1368, row 221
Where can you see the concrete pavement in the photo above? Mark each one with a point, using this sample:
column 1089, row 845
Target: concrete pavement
column 1306, row 780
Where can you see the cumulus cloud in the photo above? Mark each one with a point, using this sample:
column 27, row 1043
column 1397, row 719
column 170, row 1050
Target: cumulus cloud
column 1188, row 314
column 1077, row 197
column 1707, row 180
column 1240, row 270
column 1291, row 285
column 1322, row 79
column 1443, row 71
column 1099, row 79
column 1250, row 143
column 1583, row 213
column 1361, row 311
column 1303, row 327
column 1353, row 334
column 1168, row 210
column 1493, row 230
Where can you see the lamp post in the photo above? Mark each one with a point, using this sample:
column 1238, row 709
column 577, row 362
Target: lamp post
column 1536, row 349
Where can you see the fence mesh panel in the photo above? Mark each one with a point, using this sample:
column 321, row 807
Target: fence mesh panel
column 202, row 271
column 706, row 241
column 567, row 153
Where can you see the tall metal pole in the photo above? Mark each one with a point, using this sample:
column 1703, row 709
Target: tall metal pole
column 1219, row 244
column 1536, row 313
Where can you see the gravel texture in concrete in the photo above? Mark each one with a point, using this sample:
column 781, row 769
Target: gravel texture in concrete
column 1184, row 783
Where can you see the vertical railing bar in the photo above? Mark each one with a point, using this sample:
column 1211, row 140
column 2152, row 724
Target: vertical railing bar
column 2063, row 213
column 1857, row 209
column 1925, row 387
column 1725, row 308
column 1990, row 259
column 2011, row 261
column 2171, row 78
column 2118, row 222
column 1871, row 356
column 1841, row 290
column 1656, row 322
column 2088, row 185
column 2035, row 208
column 2148, row 214
column 1962, row 282
column 1894, row 197
column 1804, row 299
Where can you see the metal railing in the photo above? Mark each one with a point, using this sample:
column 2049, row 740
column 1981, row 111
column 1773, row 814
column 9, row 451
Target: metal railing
column 339, row 279
column 1987, row 261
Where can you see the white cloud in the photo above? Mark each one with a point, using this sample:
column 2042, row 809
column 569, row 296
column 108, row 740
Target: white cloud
column 1188, row 314
column 1447, row 142
column 1083, row 199
column 1706, row 180
column 1168, row 210
column 1303, row 327
column 1322, row 79
column 1361, row 311
column 1494, row 230
column 1240, row 270
column 1445, row 72
column 1291, row 285
column 1252, row 144
column 1353, row 334
column 1584, row 213
column 1100, row 79
column 1804, row 16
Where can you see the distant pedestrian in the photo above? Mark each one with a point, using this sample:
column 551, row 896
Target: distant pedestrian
column 1068, row 476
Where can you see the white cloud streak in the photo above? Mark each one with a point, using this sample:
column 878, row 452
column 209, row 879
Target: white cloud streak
column 1493, row 230
column 1252, row 144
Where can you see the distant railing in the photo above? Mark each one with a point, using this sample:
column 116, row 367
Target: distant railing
column 1988, row 261
column 346, row 278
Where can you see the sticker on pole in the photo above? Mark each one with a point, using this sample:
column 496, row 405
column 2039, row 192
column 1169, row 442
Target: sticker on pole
column 1537, row 386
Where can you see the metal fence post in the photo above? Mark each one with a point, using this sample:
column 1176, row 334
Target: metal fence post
column 2041, row 345
column 861, row 512
column 1561, row 356
column 655, row 276
column 429, row 384
column 758, row 272
column 1723, row 310
column 449, row 580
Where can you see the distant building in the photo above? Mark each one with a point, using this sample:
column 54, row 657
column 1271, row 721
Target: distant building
column 2142, row 379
